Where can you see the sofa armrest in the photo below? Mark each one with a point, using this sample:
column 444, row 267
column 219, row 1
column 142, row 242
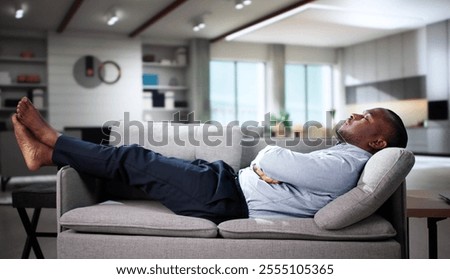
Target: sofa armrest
column 394, row 210
column 74, row 190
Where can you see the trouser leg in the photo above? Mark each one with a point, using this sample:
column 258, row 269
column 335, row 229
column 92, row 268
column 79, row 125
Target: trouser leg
column 196, row 188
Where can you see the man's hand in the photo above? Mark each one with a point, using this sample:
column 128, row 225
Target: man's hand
column 263, row 176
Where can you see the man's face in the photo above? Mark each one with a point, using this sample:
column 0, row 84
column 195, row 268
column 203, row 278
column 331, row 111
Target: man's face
column 361, row 129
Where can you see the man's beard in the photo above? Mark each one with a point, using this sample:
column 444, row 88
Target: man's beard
column 338, row 132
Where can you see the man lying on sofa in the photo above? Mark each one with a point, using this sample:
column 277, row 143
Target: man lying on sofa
column 279, row 182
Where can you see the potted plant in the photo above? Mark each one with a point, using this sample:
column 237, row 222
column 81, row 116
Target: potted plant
column 282, row 126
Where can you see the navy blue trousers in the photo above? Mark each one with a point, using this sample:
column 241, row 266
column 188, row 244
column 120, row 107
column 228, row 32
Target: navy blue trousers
column 196, row 188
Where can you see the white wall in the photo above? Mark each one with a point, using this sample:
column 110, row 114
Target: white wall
column 73, row 105
column 259, row 52
column 310, row 55
column 238, row 51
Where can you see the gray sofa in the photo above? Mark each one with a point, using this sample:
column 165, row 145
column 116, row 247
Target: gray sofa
column 103, row 219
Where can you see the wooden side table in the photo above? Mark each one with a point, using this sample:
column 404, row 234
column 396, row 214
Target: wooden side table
column 428, row 204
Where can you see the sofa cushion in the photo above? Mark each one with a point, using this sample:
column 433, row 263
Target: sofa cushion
column 136, row 218
column 372, row 228
column 381, row 176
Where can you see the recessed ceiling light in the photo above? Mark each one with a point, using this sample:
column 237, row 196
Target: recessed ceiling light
column 19, row 12
column 113, row 18
column 239, row 5
column 199, row 25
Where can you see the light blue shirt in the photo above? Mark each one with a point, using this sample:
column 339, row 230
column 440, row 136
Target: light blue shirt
column 309, row 180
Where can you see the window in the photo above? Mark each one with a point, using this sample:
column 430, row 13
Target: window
column 237, row 91
column 308, row 92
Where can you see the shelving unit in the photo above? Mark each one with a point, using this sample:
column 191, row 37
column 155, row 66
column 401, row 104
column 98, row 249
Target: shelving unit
column 13, row 65
column 168, row 67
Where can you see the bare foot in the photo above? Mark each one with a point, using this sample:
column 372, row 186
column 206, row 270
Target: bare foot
column 29, row 116
column 36, row 154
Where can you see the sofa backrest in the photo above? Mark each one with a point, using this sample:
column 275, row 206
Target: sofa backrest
column 184, row 141
column 166, row 138
column 208, row 142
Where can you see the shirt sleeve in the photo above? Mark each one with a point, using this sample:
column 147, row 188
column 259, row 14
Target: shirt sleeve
column 319, row 172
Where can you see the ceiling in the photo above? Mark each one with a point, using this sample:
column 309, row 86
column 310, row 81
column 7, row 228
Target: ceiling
column 323, row 23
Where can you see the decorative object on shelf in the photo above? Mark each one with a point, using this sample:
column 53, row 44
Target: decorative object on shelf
column 181, row 56
column 37, row 97
column 158, row 99
column 174, row 82
column 5, row 78
column 148, row 100
column 11, row 103
column 166, row 62
column 33, row 78
column 21, row 78
column 27, row 54
column 169, row 102
column 150, row 79
column 181, row 104
column 148, row 58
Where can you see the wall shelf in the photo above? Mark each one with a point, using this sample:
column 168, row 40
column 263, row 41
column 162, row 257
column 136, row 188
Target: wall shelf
column 160, row 65
column 13, row 109
column 24, row 85
column 164, row 87
column 155, row 109
column 13, row 59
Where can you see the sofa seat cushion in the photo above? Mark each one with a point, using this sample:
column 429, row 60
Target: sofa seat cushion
column 372, row 228
column 136, row 218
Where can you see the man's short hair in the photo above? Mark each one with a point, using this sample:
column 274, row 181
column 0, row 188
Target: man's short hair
column 398, row 137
